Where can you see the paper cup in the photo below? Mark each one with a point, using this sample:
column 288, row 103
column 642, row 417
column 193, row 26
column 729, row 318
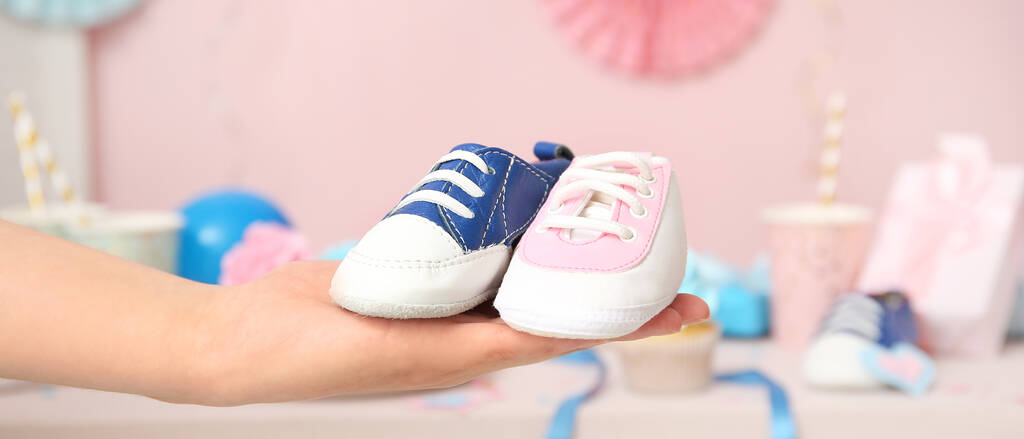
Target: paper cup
column 817, row 251
column 52, row 221
column 147, row 237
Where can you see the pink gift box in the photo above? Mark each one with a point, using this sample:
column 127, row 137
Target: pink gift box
column 952, row 239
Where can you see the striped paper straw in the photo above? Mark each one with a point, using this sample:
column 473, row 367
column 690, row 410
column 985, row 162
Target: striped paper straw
column 26, row 136
column 58, row 178
column 835, row 111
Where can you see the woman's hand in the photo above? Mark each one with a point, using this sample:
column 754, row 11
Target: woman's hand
column 281, row 338
column 74, row 316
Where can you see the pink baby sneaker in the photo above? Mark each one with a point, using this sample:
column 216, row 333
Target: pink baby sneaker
column 606, row 253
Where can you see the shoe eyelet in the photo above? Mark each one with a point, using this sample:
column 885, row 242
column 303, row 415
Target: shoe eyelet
column 642, row 214
column 556, row 208
column 649, row 194
column 490, row 170
column 653, row 179
column 632, row 235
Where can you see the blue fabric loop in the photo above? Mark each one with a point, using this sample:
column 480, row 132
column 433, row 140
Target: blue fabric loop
column 551, row 151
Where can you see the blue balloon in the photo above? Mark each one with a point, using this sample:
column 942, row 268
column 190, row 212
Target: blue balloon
column 213, row 224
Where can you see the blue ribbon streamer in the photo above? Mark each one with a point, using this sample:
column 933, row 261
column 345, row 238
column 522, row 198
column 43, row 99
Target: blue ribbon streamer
column 564, row 421
column 783, row 425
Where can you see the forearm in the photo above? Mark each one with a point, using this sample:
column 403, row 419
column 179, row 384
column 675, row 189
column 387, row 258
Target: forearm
column 75, row 316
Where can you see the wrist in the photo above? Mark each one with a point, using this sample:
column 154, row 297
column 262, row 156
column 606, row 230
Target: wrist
column 203, row 354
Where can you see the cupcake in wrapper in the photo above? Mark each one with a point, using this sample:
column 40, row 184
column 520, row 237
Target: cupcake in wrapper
column 675, row 363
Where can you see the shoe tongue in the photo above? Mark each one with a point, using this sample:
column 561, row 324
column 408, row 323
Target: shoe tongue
column 598, row 206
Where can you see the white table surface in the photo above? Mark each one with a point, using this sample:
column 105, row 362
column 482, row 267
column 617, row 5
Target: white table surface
column 977, row 399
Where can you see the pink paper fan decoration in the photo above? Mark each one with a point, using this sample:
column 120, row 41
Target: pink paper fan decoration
column 659, row 37
column 264, row 247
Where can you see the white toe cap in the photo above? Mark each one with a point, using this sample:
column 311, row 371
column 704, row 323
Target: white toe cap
column 833, row 360
column 407, row 238
column 409, row 260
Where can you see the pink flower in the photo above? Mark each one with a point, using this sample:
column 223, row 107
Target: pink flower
column 264, row 247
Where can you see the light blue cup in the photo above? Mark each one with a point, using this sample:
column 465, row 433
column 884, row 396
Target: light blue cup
column 147, row 237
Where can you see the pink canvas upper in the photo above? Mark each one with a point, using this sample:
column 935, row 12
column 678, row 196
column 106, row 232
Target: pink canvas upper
column 607, row 253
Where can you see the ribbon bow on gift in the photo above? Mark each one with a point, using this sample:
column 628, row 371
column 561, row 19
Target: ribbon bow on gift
column 945, row 217
column 736, row 298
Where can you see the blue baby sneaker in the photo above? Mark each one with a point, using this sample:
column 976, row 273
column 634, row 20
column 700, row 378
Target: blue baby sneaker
column 868, row 341
column 446, row 245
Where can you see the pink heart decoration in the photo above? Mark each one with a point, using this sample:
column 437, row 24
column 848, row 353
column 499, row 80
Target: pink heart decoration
column 903, row 366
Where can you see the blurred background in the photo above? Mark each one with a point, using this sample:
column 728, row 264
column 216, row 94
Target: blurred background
column 330, row 111
column 299, row 99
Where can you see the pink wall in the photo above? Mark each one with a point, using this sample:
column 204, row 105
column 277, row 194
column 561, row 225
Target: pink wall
column 336, row 108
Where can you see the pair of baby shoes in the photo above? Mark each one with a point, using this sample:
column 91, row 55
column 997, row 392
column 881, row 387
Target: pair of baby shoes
column 587, row 247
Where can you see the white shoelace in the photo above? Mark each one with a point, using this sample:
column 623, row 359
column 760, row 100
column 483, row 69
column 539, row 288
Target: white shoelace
column 602, row 182
column 857, row 314
column 442, row 199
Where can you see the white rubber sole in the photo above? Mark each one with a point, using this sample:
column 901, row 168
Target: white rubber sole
column 376, row 308
column 589, row 324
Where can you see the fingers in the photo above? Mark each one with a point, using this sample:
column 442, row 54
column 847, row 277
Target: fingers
column 471, row 344
column 510, row 346
column 500, row 346
column 691, row 309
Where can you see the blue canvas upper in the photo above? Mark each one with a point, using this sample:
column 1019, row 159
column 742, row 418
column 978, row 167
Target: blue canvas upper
column 897, row 322
column 889, row 312
column 514, row 191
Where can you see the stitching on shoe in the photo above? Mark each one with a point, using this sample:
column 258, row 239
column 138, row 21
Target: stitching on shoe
column 455, row 228
column 422, row 264
column 545, row 178
column 504, row 216
column 608, row 315
column 547, row 188
column 448, row 190
column 528, row 167
column 449, row 226
column 500, row 200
